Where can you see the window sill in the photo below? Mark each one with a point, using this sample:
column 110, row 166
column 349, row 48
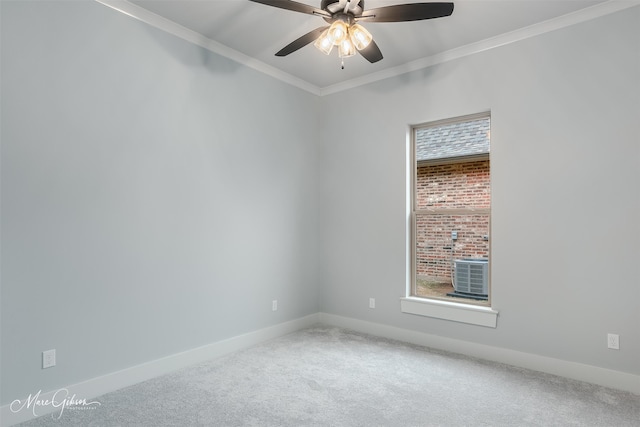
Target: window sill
column 471, row 314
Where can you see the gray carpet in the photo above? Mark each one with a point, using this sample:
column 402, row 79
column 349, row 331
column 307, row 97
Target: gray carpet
column 326, row 376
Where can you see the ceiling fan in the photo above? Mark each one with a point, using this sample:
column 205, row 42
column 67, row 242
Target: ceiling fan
column 344, row 31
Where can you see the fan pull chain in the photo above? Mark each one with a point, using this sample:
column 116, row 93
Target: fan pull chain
column 342, row 64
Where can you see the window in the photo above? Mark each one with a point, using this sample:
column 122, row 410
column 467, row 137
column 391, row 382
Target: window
column 450, row 213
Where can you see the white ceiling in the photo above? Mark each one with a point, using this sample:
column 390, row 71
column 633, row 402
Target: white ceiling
column 257, row 31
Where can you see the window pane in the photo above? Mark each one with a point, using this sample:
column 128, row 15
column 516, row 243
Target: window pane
column 452, row 201
column 437, row 249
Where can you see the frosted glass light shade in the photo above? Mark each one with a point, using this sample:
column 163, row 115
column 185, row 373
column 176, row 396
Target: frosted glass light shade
column 324, row 43
column 338, row 32
column 360, row 37
column 346, row 48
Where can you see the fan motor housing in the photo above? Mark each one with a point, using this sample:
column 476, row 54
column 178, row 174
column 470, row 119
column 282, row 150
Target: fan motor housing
column 324, row 5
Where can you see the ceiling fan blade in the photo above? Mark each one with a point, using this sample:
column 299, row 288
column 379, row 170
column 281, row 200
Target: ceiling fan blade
column 300, row 42
column 407, row 12
column 372, row 52
column 294, row 6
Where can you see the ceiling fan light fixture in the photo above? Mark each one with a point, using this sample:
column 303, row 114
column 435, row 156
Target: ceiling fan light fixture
column 346, row 49
column 342, row 15
column 324, row 43
column 338, row 32
column 360, row 37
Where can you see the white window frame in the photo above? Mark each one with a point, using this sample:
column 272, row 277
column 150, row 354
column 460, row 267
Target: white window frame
column 423, row 306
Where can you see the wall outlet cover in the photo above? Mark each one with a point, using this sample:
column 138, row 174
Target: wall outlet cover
column 613, row 341
column 48, row 359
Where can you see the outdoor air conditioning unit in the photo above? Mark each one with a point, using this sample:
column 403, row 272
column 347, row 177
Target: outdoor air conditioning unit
column 471, row 276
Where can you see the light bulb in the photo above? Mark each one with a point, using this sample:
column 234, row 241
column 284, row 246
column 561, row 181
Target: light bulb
column 338, row 32
column 360, row 37
column 324, row 43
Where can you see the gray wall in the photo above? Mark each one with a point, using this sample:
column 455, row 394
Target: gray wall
column 155, row 196
column 565, row 185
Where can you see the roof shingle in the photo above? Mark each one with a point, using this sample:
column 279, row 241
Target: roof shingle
column 453, row 140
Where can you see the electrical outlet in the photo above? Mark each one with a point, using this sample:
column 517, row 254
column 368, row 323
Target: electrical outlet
column 274, row 305
column 613, row 341
column 48, row 359
column 372, row 303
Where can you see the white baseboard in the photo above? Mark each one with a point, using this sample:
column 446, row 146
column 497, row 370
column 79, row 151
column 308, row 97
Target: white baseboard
column 95, row 387
column 577, row 371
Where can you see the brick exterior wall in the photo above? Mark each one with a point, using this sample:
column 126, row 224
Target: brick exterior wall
column 451, row 186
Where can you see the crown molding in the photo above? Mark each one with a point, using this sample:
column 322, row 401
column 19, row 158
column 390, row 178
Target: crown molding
column 553, row 24
column 196, row 38
column 557, row 23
